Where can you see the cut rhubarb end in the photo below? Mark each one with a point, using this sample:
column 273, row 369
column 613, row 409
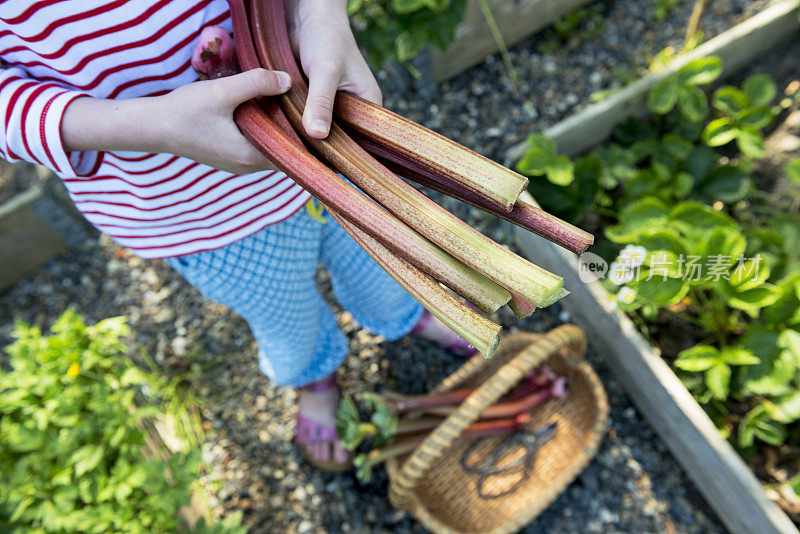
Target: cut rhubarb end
column 478, row 331
column 553, row 296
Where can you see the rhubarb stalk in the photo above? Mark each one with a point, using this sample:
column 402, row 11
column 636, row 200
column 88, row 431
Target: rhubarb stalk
column 497, row 185
column 521, row 307
column 523, row 214
column 450, row 233
column 482, row 429
column 478, row 331
column 510, row 408
column 332, row 190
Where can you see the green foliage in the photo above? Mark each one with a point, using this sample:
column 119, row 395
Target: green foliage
column 744, row 113
column 71, row 442
column 682, row 89
column 662, row 8
column 793, row 170
column 578, row 25
column 541, row 159
column 398, row 30
column 665, row 190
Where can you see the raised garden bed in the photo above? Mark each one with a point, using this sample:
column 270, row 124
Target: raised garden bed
column 515, row 21
column 36, row 222
column 725, row 480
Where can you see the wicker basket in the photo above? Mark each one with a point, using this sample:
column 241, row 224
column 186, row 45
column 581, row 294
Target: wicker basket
column 430, row 482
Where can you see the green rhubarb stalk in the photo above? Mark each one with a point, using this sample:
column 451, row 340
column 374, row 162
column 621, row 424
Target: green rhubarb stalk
column 477, row 330
column 523, row 214
column 497, row 185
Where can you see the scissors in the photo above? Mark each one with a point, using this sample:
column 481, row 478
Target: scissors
column 493, row 465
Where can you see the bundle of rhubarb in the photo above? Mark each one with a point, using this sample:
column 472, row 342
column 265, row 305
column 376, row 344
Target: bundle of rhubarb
column 427, row 250
column 398, row 424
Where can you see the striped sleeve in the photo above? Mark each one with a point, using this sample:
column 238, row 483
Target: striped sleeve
column 31, row 113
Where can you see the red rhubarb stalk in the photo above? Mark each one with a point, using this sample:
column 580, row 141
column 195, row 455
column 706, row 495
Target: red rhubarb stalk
column 449, row 232
column 481, row 429
column 511, row 408
column 521, row 307
column 401, row 404
column 410, row 142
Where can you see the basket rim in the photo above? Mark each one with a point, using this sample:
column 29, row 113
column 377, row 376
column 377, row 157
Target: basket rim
column 402, row 488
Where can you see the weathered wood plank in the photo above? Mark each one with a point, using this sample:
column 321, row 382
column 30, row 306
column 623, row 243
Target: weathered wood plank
column 716, row 469
column 26, row 242
column 737, row 47
column 517, row 20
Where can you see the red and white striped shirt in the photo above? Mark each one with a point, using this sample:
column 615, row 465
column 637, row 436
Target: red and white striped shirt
column 159, row 205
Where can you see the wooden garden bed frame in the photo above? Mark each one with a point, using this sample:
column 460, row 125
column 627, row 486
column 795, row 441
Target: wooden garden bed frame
column 516, row 20
column 717, row 470
column 36, row 225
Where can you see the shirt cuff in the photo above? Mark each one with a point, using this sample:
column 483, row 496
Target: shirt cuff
column 65, row 163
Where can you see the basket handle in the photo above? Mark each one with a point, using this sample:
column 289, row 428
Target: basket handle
column 478, row 361
column 444, row 435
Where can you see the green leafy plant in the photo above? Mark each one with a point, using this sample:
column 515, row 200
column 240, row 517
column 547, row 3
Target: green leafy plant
column 745, row 112
column 688, row 236
column 398, row 30
column 71, row 440
column 793, row 170
column 683, row 89
column 541, row 159
column 578, row 25
column 662, row 8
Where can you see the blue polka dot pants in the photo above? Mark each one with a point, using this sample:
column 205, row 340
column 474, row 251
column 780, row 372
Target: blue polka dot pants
column 268, row 279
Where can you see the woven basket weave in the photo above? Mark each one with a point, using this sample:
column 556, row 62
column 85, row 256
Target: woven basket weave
column 430, row 482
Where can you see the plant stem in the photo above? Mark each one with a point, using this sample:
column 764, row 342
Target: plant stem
column 501, row 44
column 694, row 21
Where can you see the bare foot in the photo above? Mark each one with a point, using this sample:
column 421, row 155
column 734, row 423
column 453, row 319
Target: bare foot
column 321, row 407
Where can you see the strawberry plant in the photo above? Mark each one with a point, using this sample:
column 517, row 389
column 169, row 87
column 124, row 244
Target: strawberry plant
column 71, row 443
column 687, row 237
column 398, row 30
column 744, row 113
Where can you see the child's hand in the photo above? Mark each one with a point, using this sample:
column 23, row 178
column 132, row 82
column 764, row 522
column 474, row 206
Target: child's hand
column 321, row 36
column 194, row 121
column 200, row 119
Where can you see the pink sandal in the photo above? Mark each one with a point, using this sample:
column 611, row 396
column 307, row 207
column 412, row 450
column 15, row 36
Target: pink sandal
column 309, row 431
column 459, row 347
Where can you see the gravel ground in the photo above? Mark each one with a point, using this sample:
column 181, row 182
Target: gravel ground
column 634, row 485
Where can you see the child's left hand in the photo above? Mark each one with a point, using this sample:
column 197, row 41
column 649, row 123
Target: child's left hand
column 322, row 39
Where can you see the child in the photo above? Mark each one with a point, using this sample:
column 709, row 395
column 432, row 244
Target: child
column 105, row 95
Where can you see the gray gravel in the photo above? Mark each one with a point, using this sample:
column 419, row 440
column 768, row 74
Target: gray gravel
column 634, row 485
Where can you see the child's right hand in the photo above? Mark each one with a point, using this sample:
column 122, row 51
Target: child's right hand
column 194, row 121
